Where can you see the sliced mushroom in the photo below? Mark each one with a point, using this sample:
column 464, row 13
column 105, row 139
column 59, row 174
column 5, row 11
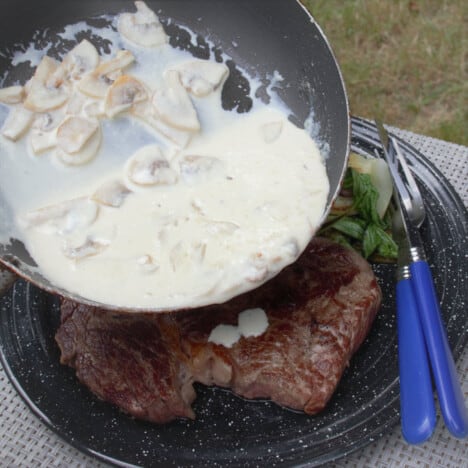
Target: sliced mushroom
column 74, row 132
column 95, row 85
column 145, row 111
column 290, row 249
column 43, row 135
column 12, row 94
column 167, row 223
column 143, row 27
column 198, row 206
column 187, row 254
column 82, row 59
column 85, row 154
column 75, row 104
column 271, row 131
column 202, row 77
column 47, row 66
column 149, row 167
column 123, row 58
column 27, row 86
column 42, row 141
column 88, row 248
column 112, row 193
column 179, row 137
column 147, row 264
column 95, row 109
column 47, row 121
column 97, row 82
column 42, row 95
column 220, row 227
column 196, row 168
column 174, row 106
column 81, row 215
column 123, row 93
column 256, row 272
column 17, row 123
column 70, row 215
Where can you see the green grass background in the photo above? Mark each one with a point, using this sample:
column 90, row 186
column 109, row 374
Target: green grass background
column 403, row 61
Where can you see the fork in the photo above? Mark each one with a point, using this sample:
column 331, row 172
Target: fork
column 413, row 212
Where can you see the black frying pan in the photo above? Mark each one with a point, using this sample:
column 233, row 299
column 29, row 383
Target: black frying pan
column 259, row 36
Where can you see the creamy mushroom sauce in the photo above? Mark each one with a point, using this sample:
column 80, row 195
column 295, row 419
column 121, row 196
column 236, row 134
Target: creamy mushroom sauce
column 250, row 323
column 161, row 200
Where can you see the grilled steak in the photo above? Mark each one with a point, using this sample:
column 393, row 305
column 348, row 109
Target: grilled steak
column 319, row 311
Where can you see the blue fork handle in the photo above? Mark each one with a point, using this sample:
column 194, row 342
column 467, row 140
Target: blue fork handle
column 418, row 415
column 452, row 404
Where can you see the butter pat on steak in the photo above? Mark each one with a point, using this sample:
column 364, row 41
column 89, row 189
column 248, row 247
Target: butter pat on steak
column 319, row 311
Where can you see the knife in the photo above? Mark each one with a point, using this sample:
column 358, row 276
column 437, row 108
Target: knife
column 451, row 398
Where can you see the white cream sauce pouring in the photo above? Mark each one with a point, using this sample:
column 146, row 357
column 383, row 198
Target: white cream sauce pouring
column 237, row 204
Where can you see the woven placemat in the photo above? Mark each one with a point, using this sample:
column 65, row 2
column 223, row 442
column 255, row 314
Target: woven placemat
column 26, row 442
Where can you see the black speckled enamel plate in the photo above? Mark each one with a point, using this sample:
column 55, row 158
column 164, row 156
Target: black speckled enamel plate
column 229, row 430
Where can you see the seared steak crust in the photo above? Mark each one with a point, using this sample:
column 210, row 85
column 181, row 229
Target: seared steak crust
column 319, row 311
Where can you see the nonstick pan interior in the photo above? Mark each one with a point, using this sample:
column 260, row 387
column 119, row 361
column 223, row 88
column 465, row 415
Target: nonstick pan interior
column 255, row 38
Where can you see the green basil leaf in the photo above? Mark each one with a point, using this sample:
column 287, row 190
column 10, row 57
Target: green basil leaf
column 370, row 240
column 351, row 226
column 387, row 246
column 365, row 198
column 377, row 240
column 360, row 227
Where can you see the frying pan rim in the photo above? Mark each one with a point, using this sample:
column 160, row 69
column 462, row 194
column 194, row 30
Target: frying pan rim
column 59, row 291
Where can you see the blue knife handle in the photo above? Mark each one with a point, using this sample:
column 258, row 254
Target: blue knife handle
column 418, row 415
column 452, row 404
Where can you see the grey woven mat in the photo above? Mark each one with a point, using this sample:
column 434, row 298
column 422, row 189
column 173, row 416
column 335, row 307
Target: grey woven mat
column 25, row 442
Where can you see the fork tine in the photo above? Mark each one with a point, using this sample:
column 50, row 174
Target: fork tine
column 405, row 167
column 401, row 188
column 417, row 211
column 414, row 189
column 390, row 157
